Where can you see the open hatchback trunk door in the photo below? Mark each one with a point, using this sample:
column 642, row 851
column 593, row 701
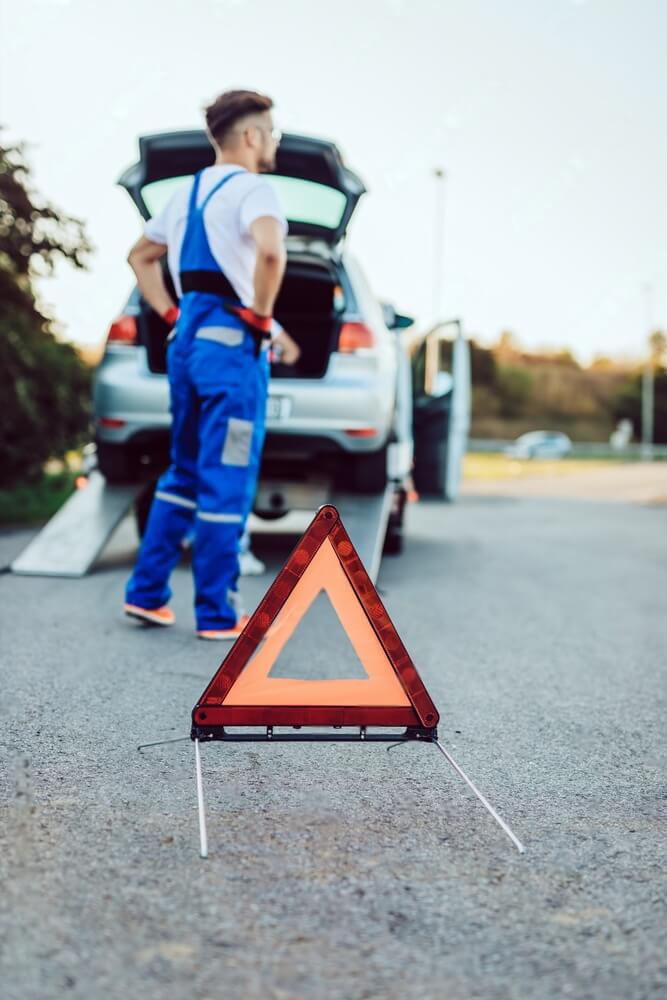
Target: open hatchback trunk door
column 317, row 191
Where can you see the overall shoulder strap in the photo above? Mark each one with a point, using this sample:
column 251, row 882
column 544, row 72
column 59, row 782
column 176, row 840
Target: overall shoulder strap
column 192, row 203
column 221, row 183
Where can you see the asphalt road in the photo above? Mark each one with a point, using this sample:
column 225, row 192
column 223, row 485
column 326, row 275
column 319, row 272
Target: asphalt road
column 349, row 872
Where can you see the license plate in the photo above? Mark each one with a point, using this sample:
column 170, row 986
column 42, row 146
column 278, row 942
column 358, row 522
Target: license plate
column 278, row 407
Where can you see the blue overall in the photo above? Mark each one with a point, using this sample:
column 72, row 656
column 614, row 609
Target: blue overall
column 218, row 382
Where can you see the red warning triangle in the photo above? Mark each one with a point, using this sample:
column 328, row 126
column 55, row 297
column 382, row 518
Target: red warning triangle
column 243, row 693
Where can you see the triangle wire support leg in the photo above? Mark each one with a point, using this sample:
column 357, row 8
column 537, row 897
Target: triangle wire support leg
column 162, row 743
column 203, row 841
column 487, row 805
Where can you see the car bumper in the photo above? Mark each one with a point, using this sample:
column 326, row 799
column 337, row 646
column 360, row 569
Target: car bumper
column 351, row 408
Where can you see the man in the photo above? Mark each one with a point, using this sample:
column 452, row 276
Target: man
column 224, row 236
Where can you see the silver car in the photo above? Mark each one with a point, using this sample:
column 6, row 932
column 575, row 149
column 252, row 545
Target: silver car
column 540, row 444
column 344, row 410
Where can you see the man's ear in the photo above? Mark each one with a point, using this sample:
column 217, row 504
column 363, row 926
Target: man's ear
column 249, row 136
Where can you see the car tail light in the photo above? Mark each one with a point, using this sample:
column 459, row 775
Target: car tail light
column 361, row 432
column 354, row 336
column 111, row 423
column 123, row 331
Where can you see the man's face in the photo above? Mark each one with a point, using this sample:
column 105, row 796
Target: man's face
column 268, row 140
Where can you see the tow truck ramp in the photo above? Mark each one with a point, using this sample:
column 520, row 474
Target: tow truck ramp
column 365, row 519
column 74, row 538
column 71, row 541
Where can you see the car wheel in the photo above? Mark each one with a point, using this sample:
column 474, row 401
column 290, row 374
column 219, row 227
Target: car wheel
column 142, row 507
column 116, row 462
column 369, row 472
column 393, row 542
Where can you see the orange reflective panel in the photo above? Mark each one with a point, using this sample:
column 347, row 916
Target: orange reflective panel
column 381, row 686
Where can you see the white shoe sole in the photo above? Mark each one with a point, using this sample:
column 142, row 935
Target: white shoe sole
column 219, row 638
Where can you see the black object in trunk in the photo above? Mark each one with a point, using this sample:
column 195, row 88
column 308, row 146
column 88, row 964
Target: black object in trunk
column 305, row 307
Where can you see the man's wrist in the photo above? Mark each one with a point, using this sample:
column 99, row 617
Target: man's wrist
column 263, row 320
column 171, row 315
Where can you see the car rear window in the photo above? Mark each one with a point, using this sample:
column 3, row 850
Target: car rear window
column 301, row 200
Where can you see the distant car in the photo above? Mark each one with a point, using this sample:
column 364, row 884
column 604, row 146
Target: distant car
column 540, row 444
column 342, row 406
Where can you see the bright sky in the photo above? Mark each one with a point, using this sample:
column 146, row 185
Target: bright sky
column 547, row 115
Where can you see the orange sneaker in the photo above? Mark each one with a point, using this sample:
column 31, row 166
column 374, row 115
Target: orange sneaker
column 222, row 634
column 154, row 616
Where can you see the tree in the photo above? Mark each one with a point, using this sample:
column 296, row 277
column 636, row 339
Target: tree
column 44, row 385
column 507, row 346
column 515, row 385
column 483, row 368
column 628, row 405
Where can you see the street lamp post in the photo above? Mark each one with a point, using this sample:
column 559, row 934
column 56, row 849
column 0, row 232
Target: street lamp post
column 648, row 388
column 439, row 244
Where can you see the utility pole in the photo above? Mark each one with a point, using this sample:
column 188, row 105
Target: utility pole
column 648, row 405
column 439, row 244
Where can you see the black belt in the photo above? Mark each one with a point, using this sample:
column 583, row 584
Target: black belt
column 215, row 283
column 209, row 282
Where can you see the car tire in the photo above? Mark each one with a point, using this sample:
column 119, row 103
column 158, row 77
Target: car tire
column 369, row 472
column 142, row 506
column 116, row 462
column 393, row 542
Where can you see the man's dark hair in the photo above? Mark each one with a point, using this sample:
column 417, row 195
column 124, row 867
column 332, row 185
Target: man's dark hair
column 230, row 107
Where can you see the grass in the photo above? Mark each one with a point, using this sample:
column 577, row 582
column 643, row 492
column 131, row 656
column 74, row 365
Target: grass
column 487, row 466
column 36, row 502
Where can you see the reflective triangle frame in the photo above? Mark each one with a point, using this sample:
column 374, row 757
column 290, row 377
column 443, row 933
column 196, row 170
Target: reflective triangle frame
column 416, row 711
column 410, row 706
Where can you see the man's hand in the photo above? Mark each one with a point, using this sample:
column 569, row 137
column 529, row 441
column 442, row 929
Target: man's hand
column 290, row 352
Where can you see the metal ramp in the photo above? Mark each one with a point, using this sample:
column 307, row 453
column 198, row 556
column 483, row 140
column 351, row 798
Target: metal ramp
column 365, row 519
column 71, row 541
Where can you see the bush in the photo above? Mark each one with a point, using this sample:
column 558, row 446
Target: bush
column 45, row 392
column 44, row 385
column 515, row 386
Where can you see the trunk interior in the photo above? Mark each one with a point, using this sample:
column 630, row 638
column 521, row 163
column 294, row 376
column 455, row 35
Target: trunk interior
column 306, row 307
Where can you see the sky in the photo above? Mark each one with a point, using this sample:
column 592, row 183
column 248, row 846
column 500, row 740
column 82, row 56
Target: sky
column 547, row 116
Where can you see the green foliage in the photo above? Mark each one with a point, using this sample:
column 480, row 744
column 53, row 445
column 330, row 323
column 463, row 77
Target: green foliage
column 515, row 385
column 565, row 358
column 45, row 391
column 33, row 234
column 628, row 405
column 37, row 501
column 525, row 391
column 483, row 367
column 44, row 385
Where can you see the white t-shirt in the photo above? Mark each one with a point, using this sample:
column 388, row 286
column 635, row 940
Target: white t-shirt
column 227, row 220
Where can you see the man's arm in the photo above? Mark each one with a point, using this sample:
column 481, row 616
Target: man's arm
column 271, row 259
column 269, row 270
column 144, row 259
